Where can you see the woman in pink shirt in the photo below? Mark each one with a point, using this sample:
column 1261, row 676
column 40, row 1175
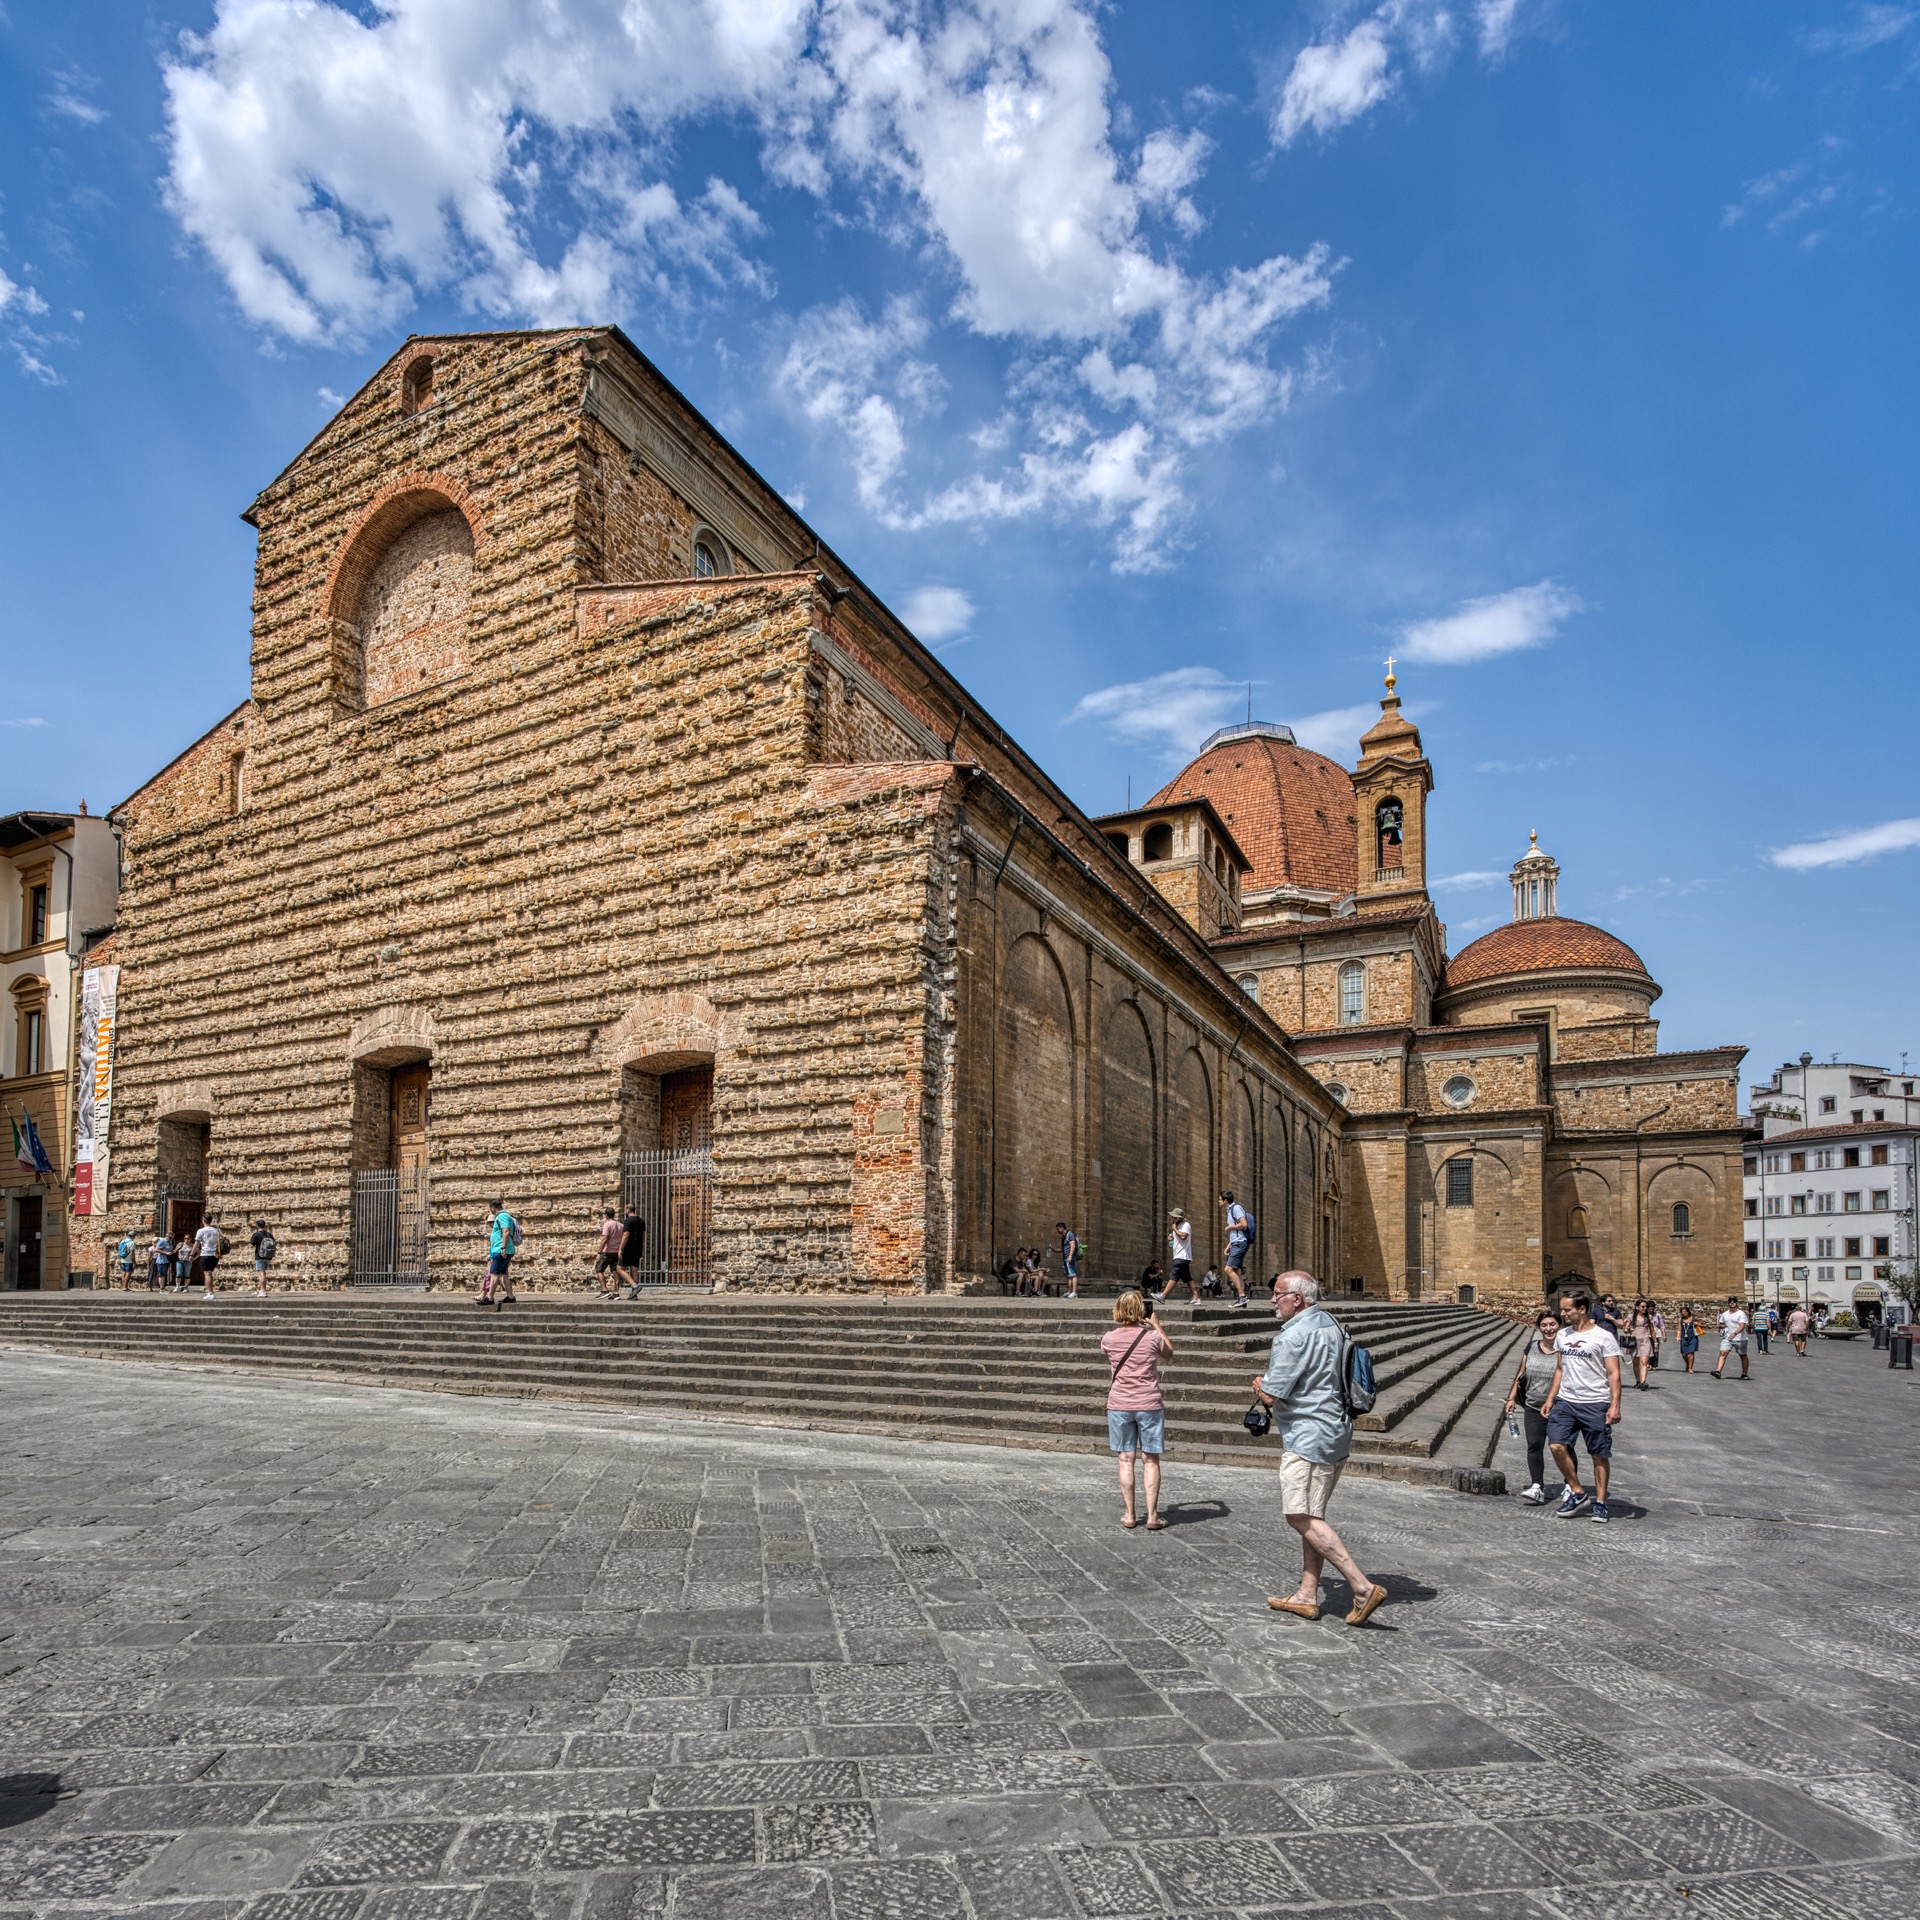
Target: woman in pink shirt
column 1136, row 1409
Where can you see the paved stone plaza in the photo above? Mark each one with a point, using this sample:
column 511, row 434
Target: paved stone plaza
column 284, row 1649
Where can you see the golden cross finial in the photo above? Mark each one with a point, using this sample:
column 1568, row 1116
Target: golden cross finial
column 1390, row 679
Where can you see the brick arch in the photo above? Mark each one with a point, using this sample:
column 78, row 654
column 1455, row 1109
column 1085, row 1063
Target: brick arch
column 403, row 500
column 391, row 1036
column 664, row 1032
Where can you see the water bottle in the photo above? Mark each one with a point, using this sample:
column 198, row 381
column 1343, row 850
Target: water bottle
column 1513, row 1426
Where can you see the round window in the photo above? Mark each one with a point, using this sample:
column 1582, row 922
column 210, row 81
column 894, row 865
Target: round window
column 1338, row 1091
column 1459, row 1091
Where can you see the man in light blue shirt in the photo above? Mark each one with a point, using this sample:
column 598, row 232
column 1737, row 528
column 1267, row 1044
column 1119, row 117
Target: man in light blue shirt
column 1303, row 1386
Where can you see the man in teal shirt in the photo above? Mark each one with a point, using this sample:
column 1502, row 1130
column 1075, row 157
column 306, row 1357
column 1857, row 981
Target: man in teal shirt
column 1303, row 1386
column 503, row 1237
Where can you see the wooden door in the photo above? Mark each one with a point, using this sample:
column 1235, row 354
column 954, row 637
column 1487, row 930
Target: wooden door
column 183, row 1219
column 27, row 1263
column 686, row 1111
column 407, row 1125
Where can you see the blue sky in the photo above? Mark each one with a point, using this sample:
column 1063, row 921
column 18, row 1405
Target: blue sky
column 1563, row 348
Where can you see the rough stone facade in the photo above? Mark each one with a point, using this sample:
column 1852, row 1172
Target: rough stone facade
column 576, row 765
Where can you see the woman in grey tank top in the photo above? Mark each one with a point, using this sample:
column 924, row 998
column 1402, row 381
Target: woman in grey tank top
column 1531, row 1384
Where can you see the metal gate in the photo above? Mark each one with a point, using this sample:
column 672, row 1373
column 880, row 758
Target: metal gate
column 673, row 1194
column 389, row 1230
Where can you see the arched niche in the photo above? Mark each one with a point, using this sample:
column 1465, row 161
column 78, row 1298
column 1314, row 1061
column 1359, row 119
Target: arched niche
column 1128, row 1232
column 397, row 604
column 665, row 1049
column 391, row 1037
column 1035, row 1076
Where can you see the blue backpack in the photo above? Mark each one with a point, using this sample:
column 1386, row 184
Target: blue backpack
column 1357, row 1389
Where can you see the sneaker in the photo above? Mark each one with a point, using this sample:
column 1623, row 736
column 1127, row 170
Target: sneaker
column 1242, row 1304
column 1535, row 1495
column 1572, row 1502
column 1600, row 1512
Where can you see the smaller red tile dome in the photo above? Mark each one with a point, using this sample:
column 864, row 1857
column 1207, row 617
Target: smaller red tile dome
column 1541, row 946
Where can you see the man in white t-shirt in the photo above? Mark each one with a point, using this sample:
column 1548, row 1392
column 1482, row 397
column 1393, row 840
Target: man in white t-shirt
column 1583, row 1403
column 1733, row 1336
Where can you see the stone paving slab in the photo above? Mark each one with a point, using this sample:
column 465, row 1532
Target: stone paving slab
column 279, row 1650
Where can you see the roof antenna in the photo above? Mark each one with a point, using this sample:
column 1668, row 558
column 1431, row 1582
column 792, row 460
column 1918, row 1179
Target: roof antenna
column 1130, row 809
column 1249, row 703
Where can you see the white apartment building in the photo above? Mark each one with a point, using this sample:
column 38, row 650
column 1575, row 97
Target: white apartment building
column 1831, row 1093
column 1830, row 1214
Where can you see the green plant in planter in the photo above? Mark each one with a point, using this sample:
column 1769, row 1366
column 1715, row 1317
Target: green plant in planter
column 1842, row 1326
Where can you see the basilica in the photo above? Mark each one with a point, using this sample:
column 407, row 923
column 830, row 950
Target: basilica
column 592, row 837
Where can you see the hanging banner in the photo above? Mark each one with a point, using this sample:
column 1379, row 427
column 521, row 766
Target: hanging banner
column 99, row 992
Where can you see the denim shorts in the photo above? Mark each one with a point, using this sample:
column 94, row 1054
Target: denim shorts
column 497, row 1263
column 1589, row 1421
column 1136, row 1432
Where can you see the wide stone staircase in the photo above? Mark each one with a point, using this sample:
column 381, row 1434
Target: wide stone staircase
column 1007, row 1372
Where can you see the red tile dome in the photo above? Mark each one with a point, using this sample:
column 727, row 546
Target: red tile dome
column 1541, row 946
column 1291, row 810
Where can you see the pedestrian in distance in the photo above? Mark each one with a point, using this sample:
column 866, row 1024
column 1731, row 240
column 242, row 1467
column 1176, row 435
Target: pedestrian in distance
column 1733, row 1335
column 1640, row 1340
column 182, row 1263
column 125, row 1254
column 1532, row 1382
column 1763, row 1319
column 1069, row 1258
column 1136, row 1403
column 1583, row 1404
column 1239, row 1224
column 633, row 1247
column 208, row 1245
column 1659, row 1331
column 1305, row 1385
column 1689, row 1337
column 1607, row 1314
column 265, row 1246
column 160, row 1264
column 1153, row 1280
column 1797, row 1329
column 1180, row 1256
column 503, row 1241
column 606, row 1259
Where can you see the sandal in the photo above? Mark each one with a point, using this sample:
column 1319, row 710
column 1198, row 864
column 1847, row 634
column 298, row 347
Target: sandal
column 1156, row 1526
column 1129, row 1522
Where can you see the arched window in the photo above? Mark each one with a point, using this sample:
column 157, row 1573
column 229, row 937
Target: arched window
column 1682, row 1219
column 1577, row 1224
column 1250, row 985
column 1158, row 842
column 416, row 384
column 1387, row 819
column 1460, row 1182
column 706, row 563
column 1353, row 994
column 1118, row 842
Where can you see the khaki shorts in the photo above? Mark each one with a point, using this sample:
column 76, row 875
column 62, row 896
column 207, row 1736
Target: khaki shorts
column 1306, row 1486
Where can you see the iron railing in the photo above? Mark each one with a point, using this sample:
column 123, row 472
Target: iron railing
column 389, row 1228
column 673, row 1194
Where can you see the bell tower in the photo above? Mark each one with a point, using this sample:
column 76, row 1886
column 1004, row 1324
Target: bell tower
column 1390, row 788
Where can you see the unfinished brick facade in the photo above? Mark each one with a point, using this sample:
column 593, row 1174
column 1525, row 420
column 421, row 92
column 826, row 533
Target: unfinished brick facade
column 577, row 772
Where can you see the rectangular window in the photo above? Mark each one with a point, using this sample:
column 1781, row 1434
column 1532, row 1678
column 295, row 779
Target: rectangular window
column 1796, row 1163
column 1460, row 1183
column 1353, row 994
column 1773, row 1203
column 1882, row 1199
column 1826, row 1273
column 1753, row 1249
column 1799, row 1249
column 1853, row 1273
column 1879, row 1156
column 1753, row 1278
column 1776, row 1163
column 1823, row 1203
column 1800, row 1274
column 1798, row 1204
column 1776, row 1275
column 1824, row 1158
column 1753, row 1209
column 1823, row 1249
column 1858, row 1116
column 1849, row 1203
column 1849, row 1156
column 33, row 1028
column 1852, row 1248
column 1776, row 1250
column 37, row 915
column 1882, row 1245
column 1828, row 1103
column 1750, row 1166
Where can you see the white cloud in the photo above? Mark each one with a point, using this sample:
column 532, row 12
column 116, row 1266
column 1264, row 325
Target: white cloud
column 25, row 720
column 13, row 296
column 1334, row 82
column 338, row 164
column 1335, row 732
column 1843, row 849
column 1474, row 877
column 1872, row 26
column 1171, row 712
column 937, row 613
column 69, row 97
column 332, row 401
column 1499, row 623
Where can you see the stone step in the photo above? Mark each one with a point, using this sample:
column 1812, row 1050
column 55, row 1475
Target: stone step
column 1036, row 1380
